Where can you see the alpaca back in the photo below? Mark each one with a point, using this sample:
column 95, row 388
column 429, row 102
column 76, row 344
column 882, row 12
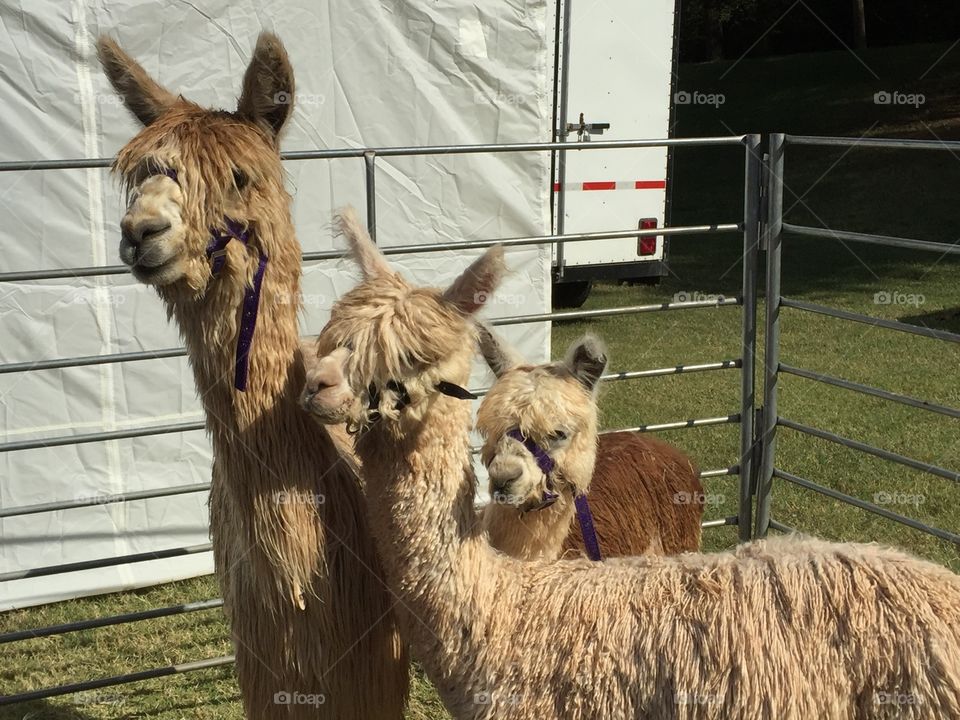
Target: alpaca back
column 644, row 497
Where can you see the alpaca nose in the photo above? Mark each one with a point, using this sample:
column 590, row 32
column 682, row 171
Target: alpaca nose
column 502, row 474
column 314, row 386
column 134, row 233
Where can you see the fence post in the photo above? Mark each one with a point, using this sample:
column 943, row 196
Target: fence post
column 751, row 240
column 370, row 184
column 771, row 353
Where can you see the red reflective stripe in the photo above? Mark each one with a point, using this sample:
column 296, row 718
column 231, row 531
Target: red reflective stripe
column 600, row 185
column 614, row 185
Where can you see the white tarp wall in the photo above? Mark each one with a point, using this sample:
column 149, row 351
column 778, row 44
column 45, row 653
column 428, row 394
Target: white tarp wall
column 369, row 73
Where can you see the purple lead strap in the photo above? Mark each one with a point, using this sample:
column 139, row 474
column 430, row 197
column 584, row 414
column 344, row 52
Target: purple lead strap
column 248, row 323
column 217, row 255
column 585, row 517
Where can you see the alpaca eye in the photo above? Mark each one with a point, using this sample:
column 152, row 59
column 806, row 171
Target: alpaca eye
column 558, row 436
column 240, row 179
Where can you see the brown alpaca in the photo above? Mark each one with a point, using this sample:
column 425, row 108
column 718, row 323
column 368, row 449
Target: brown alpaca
column 311, row 619
column 644, row 494
column 789, row 628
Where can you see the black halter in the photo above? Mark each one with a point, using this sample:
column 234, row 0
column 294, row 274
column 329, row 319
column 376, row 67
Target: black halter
column 403, row 397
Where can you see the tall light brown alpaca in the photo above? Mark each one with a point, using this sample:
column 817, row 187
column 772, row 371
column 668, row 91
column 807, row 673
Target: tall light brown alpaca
column 788, row 629
column 311, row 618
column 644, row 494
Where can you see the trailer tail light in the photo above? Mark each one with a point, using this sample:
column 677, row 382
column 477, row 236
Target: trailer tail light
column 647, row 244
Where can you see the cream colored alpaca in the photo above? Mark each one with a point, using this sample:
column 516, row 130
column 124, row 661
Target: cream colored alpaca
column 642, row 492
column 787, row 629
column 311, row 619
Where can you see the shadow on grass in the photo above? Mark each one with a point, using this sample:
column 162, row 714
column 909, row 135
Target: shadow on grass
column 42, row 710
column 948, row 320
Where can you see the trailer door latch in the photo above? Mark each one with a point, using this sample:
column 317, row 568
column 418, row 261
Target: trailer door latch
column 584, row 129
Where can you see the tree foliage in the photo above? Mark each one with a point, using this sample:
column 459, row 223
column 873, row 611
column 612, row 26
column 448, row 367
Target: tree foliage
column 729, row 29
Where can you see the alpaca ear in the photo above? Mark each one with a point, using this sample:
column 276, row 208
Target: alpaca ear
column 498, row 355
column 363, row 250
column 268, row 88
column 142, row 95
column 478, row 282
column 587, row 359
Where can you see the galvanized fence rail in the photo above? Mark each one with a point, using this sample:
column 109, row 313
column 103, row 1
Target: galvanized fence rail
column 772, row 421
column 743, row 466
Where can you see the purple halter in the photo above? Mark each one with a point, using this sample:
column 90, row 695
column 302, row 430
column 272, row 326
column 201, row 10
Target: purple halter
column 547, row 466
column 217, row 254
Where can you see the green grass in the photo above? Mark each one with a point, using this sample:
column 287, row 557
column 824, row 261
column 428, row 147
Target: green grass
column 908, row 194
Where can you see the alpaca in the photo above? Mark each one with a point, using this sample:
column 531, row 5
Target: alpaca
column 311, row 618
column 785, row 628
column 643, row 492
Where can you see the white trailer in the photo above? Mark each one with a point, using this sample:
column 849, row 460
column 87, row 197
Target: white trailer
column 614, row 73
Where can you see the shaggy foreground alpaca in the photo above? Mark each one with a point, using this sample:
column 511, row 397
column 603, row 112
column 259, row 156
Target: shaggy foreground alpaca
column 644, row 494
column 787, row 628
column 311, row 619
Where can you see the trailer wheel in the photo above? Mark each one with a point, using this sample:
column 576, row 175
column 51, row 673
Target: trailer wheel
column 571, row 294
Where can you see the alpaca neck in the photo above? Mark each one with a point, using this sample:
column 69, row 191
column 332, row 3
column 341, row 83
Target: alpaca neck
column 210, row 327
column 420, row 487
column 537, row 535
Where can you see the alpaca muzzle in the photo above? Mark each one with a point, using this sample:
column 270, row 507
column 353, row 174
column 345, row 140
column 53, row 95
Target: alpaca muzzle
column 547, row 466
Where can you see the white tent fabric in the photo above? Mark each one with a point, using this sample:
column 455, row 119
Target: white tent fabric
column 369, row 73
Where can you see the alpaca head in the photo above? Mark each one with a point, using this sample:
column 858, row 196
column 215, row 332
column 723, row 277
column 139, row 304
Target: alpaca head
column 389, row 347
column 189, row 169
column 552, row 409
